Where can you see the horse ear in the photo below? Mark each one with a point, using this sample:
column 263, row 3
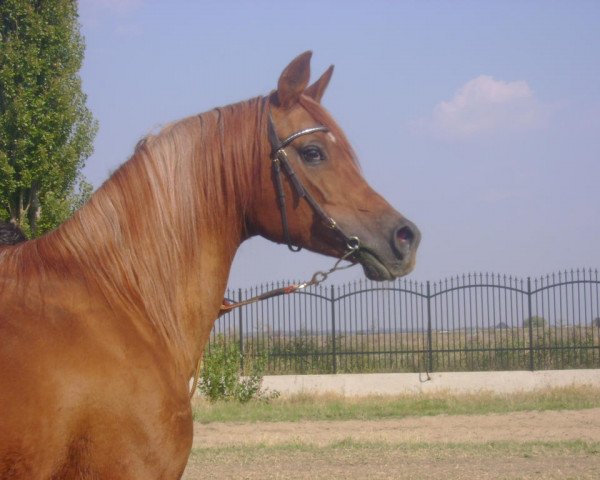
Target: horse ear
column 294, row 80
column 317, row 89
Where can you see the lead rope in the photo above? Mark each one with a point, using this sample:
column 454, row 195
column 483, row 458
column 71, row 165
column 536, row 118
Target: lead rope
column 318, row 277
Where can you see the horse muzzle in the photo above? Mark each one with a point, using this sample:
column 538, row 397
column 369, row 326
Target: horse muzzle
column 387, row 259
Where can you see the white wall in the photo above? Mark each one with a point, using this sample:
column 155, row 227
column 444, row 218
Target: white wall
column 407, row 383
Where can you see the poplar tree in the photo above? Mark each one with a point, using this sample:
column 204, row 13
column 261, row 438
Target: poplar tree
column 46, row 130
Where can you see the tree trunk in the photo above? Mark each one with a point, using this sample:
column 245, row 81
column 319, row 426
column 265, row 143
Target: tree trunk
column 33, row 209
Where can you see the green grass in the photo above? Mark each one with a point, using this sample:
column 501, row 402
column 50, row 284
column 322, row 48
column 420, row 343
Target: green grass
column 440, row 449
column 305, row 407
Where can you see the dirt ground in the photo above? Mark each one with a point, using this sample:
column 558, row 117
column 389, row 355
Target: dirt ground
column 524, row 445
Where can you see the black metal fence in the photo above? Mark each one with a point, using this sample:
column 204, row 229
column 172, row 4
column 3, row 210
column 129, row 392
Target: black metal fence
column 464, row 323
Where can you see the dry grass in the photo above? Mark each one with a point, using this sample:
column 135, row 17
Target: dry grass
column 543, row 435
column 351, row 459
column 452, row 350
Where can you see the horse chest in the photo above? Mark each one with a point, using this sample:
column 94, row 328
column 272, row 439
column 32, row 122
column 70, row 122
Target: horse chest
column 97, row 406
column 113, row 437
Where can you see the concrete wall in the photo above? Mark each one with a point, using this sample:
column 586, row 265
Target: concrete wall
column 414, row 383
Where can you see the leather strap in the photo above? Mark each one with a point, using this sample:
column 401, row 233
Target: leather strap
column 280, row 160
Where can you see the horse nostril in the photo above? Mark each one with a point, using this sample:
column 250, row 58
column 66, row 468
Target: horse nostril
column 405, row 240
column 405, row 236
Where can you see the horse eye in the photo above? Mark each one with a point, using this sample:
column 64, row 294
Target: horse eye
column 312, row 154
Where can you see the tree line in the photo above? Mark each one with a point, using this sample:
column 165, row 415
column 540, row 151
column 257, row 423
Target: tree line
column 46, row 129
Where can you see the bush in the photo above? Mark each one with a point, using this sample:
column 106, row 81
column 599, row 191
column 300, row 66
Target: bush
column 221, row 377
column 535, row 322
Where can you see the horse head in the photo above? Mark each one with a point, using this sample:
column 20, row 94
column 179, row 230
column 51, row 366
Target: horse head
column 323, row 202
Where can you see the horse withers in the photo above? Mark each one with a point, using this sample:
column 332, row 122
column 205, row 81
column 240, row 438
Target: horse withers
column 104, row 319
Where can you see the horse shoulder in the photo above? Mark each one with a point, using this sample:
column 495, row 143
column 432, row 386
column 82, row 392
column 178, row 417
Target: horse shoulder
column 73, row 374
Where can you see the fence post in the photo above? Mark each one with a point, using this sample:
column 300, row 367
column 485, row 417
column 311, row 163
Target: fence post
column 530, row 325
column 240, row 325
column 429, row 332
column 333, row 346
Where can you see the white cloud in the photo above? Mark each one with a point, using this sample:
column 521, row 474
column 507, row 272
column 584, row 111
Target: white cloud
column 485, row 106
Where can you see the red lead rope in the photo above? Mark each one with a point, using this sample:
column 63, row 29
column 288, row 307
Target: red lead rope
column 227, row 306
column 317, row 278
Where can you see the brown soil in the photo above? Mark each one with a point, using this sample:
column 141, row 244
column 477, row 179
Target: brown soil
column 405, row 448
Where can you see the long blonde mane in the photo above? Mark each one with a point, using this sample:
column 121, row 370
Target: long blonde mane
column 137, row 232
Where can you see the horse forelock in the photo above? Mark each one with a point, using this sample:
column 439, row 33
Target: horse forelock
column 323, row 117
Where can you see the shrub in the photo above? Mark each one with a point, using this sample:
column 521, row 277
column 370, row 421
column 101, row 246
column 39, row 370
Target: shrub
column 221, row 377
column 535, row 322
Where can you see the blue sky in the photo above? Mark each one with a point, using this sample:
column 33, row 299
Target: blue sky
column 480, row 121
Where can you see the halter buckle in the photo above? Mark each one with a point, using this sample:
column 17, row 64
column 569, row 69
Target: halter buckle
column 353, row 244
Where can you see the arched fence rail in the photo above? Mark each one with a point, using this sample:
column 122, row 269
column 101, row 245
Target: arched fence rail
column 464, row 323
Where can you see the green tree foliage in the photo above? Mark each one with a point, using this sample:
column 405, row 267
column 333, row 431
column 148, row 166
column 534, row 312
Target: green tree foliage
column 535, row 322
column 46, row 130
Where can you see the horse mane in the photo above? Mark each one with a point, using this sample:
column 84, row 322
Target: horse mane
column 136, row 233
column 135, row 236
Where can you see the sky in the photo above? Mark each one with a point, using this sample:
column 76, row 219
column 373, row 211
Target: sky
column 479, row 121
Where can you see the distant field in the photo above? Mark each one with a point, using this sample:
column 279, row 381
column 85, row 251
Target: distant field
column 454, row 350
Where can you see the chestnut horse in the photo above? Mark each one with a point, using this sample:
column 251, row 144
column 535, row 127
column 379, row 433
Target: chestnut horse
column 103, row 320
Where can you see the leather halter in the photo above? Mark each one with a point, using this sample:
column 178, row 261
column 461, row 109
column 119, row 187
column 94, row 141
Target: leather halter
column 280, row 160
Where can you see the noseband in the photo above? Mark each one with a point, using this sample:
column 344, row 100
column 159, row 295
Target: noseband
column 280, row 160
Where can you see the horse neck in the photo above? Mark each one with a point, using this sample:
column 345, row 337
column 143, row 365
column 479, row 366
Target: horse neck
column 159, row 236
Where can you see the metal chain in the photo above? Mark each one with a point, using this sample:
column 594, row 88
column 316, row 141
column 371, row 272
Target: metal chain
column 319, row 276
column 353, row 245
